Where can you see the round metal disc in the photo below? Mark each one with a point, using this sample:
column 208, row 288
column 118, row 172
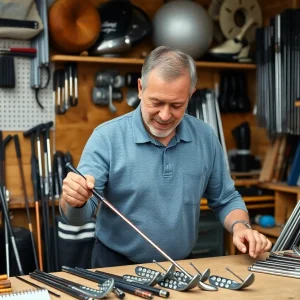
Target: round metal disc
column 234, row 14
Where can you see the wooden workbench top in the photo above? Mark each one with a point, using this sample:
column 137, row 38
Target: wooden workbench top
column 264, row 287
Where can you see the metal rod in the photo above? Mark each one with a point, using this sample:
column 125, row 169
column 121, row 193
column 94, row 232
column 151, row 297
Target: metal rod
column 44, row 201
column 124, row 286
column 274, row 271
column 34, row 178
column 160, row 265
column 19, row 157
column 102, row 199
column 196, row 269
column 51, row 195
column 241, row 279
column 37, row 286
column 10, row 231
column 59, row 286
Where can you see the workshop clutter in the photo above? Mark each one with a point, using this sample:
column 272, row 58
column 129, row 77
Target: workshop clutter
column 74, row 25
column 114, row 28
column 47, row 174
column 20, row 19
column 5, row 284
column 25, row 20
column 277, row 90
column 109, row 87
column 233, row 94
column 284, row 263
column 204, row 105
column 65, row 88
column 289, row 237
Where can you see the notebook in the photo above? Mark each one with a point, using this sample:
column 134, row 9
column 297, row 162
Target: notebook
column 41, row 294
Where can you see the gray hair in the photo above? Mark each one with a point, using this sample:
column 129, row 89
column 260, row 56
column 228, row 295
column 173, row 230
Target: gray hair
column 170, row 64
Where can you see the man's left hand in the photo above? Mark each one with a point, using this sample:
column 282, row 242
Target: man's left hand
column 256, row 242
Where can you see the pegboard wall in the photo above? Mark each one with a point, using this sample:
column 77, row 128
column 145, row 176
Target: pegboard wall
column 19, row 110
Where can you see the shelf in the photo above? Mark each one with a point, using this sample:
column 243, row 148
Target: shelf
column 273, row 231
column 246, row 182
column 280, row 186
column 252, row 202
column 18, row 203
column 139, row 61
column 261, row 201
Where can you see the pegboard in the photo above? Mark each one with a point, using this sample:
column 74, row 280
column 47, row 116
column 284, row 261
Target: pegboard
column 19, row 110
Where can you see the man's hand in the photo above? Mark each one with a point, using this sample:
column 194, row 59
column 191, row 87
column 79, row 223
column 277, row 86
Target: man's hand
column 76, row 189
column 246, row 239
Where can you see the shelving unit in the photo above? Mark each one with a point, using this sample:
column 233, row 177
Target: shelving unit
column 139, row 61
column 286, row 198
column 272, row 233
column 255, row 202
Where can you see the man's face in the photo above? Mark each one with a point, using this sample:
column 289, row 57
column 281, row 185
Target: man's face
column 163, row 104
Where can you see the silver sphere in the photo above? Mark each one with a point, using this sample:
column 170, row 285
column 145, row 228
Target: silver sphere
column 183, row 25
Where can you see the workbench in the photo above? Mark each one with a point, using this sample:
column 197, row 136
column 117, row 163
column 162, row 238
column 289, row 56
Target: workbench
column 264, row 287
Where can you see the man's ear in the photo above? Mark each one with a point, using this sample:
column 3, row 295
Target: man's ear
column 193, row 92
column 140, row 88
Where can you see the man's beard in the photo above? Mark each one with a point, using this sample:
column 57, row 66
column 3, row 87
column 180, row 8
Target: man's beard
column 159, row 133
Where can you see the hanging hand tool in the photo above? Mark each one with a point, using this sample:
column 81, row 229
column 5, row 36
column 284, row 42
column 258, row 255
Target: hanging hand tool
column 19, row 156
column 44, row 199
column 35, row 182
column 227, row 283
column 58, row 88
column 75, row 78
column 66, row 90
column 108, row 80
column 51, row 193
column 73, row 84
column 41, row 61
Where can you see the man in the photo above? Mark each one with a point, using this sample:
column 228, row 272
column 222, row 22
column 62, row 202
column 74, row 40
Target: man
column 154, row 164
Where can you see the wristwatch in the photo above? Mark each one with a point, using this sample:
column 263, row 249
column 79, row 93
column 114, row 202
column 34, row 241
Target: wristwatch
column 240, row 221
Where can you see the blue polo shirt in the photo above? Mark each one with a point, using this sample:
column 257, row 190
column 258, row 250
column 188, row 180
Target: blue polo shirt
column 158, row 188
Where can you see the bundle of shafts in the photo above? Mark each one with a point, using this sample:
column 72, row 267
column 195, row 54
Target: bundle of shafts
column 285, row 264
column 290, row 234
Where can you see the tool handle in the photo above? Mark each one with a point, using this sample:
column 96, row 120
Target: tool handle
column 17, row 146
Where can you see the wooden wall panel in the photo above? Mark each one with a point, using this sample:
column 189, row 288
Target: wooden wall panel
column 271, row 8
column 74, row 128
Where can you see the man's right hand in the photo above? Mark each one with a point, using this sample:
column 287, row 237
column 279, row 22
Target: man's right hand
column 76, row 190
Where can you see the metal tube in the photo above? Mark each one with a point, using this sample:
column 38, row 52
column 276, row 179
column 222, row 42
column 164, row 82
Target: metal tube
column 274, row 271
column 10, row 231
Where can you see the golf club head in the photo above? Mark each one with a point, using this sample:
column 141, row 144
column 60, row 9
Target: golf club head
column 151, row 280
column 181, row 277
column 205, row 275
column 181, row 286
column 206, row 287
column 233, row 285
column 170, row 272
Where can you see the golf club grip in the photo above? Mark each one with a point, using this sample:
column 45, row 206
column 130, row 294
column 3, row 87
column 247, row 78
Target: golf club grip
column 71, row 168
column 17, row 146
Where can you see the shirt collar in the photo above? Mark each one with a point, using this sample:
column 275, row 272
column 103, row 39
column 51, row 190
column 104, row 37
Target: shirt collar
column 141, row 135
